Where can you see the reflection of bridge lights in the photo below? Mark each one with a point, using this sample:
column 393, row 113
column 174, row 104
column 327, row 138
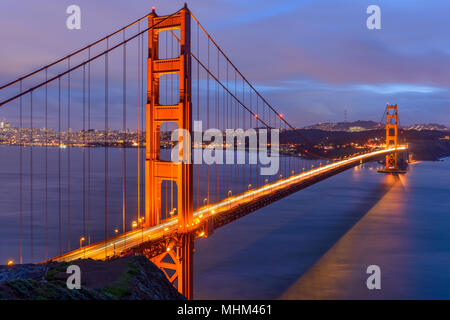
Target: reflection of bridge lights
column 10, row 262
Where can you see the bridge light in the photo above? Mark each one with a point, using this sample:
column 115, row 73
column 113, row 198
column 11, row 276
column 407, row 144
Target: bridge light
column 81, row 241
column 168, row 249
column 202, row 234
column 280, row 115
column 165, row 229
column 230, row 193
column 116, row 231
column 134, row 224
column 249, row 186
column 256, row 116
column 10, row 262
column 212, row 211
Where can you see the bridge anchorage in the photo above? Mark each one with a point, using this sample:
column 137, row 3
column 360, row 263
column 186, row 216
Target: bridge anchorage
column 395, row 162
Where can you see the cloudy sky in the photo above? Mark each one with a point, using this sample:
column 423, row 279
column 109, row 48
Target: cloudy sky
column 311, row 58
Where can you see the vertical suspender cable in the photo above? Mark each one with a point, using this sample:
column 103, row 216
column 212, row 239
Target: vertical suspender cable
column 106, row 148
column 89, row 149
column 46, row 166
column 69, row 132
column 84, row 151
column 31, row 176
column 207, row 121
column 59, row 169
column 143, row 104
column 139, row 129
column 124, row 128
column 20, row 178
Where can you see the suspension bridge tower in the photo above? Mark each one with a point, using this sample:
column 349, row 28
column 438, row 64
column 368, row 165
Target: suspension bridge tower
column 177, row 261
column 392, row 159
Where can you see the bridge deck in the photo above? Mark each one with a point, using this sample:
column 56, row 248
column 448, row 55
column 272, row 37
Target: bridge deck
column 222, row 212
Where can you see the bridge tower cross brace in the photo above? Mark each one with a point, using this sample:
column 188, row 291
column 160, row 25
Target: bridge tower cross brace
column 177, row 262
column 391, row 137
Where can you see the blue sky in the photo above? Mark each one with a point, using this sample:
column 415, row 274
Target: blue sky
column 311, row 59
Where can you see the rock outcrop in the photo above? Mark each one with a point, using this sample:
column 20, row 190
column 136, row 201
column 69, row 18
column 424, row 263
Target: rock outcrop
column 126, row 278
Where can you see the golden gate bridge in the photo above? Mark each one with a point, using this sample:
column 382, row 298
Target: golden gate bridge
column 157, row 75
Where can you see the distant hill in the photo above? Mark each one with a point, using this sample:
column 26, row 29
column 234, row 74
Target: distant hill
column 362, row 125
column 427, row 126
column 354, row 126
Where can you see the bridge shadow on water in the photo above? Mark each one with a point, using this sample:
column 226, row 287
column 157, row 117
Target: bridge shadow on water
column 263, row 255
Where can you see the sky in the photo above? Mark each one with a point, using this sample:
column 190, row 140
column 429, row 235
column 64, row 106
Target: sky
column 312, row 59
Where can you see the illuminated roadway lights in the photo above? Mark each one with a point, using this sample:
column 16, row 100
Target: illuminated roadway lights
column 81, row 241
column 116, row 231
column 81, row 244
column 201, row 234
column 154, row 232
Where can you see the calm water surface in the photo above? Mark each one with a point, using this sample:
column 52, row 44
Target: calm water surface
column 314, row 244
column 317, row 243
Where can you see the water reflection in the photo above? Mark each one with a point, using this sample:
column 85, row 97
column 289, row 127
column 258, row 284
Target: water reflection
column 375, row 239
column 318, row 242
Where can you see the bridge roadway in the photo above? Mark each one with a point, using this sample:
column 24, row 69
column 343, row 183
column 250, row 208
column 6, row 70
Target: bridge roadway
column 219, row 213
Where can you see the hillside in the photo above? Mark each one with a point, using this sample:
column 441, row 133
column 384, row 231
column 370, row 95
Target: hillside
column 127, row 278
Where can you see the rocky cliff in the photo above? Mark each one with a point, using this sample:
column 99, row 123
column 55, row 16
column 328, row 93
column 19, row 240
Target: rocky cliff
column 127, row 278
